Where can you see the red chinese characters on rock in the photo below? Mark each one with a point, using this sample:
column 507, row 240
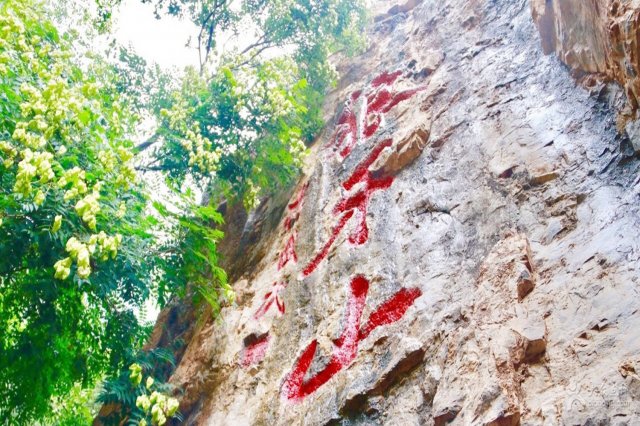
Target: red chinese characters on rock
column 345, row 136
column 375, row 101
column 255, row 351
column 294, row 207
column 345, row 348
column 270, row 298
column 354, row 205
column 362, row 116
column 296, row 204
column 293, row 214
column 288, row 254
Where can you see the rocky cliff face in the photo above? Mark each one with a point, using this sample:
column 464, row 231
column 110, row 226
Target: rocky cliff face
column 594, row 37
column 462, row 247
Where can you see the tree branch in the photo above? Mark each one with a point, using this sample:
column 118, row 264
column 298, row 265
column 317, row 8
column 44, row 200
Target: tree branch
column 254, row 55
column 146, row 144
column 261, row 41
column 149, row 168
column 211, row 27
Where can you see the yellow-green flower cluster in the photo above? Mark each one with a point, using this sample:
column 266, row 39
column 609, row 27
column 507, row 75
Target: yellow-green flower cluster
column 33, row 165
column 200, row 153
column 39, row 198
column 108, row 160
column 278, row 105
column 200, row 149
column 63, row 268
column 75, row 177
column 273, row 89
column 8, row 152
column 251, row 198
column 107, row 246
column 80, row 253
column 159, row 405
column 57, row 223
column 126, row 173
column 62, row 110
column 177, row 115
column 11, row 35
column 88, row 207
column 298, row 149
column 136, row 374
column 118, row 161
column 102, row 245
column 29, row 139
column 122, row 210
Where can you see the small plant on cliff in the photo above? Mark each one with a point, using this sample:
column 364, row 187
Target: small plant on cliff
column 154, row 405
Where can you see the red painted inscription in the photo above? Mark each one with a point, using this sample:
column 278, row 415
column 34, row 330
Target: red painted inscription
column 255, row 351
column 375, row 101
column 289, row 252
column 270, row 298
column 354, row 204
column 345, row 348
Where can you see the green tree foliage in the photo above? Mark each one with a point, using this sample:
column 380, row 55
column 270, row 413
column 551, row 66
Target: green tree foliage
column 238, row 132
column 188, row 248
column 73, row 221
column 311, row 29
column 78, row 249
column 74, row 409
column 241, row 129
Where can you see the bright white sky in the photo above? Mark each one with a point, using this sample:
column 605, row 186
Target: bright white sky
column 156, row 40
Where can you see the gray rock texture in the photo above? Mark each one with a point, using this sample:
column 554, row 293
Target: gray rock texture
column 497, row 280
